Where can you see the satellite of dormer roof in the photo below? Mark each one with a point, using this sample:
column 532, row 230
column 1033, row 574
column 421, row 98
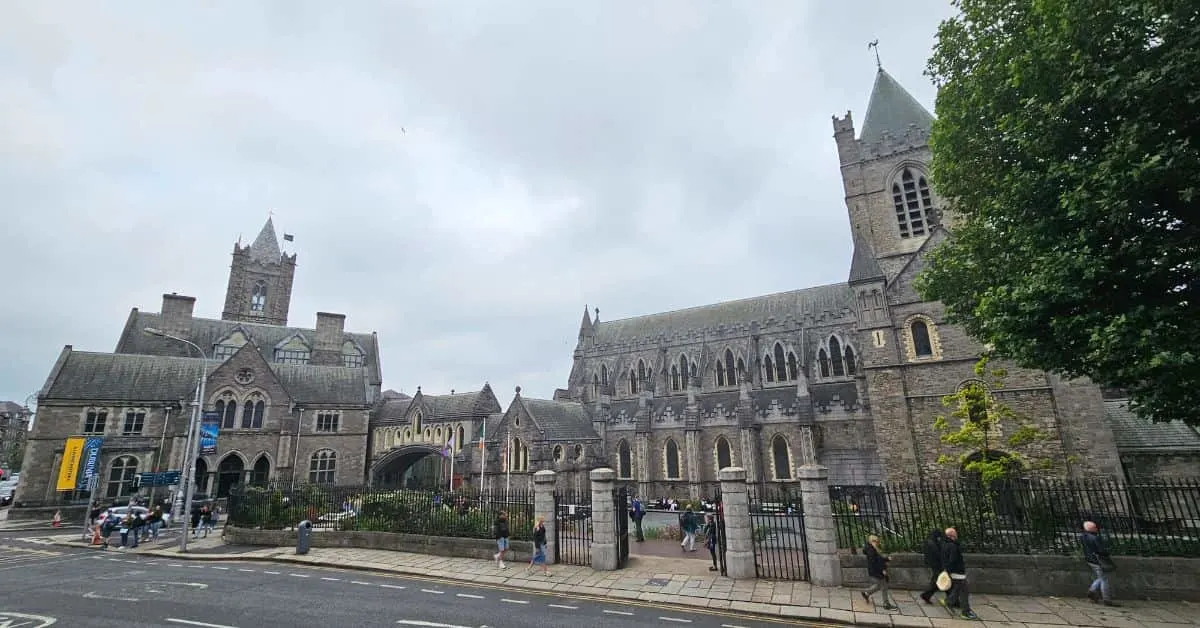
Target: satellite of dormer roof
column 266, row 246
column 893, row 110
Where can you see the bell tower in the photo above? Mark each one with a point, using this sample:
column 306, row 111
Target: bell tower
column 260, row 281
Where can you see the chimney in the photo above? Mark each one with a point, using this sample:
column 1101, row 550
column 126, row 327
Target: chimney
column 327, row 346
column 177, row 314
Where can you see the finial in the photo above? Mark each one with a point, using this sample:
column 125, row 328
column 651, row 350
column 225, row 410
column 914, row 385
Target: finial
column 418, row 389
column 874, row 45
column 270, row 214
column 597, row 313
column 518, row 390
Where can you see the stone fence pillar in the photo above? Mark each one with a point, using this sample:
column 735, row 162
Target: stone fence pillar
column 544, row 483
column 604, row 533
column 739, row 538
column 820, row 535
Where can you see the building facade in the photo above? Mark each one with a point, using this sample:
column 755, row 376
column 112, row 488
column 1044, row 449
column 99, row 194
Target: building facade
column 293, row 403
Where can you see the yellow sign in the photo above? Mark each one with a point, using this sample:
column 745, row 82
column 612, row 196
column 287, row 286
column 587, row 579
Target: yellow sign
column 72, row 452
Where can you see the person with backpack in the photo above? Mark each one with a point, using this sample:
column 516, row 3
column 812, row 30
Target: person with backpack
column 637, row 513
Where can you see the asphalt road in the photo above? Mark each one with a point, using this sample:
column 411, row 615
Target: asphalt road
column 85, row 588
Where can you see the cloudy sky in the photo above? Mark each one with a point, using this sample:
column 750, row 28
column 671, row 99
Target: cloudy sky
column 462, row 177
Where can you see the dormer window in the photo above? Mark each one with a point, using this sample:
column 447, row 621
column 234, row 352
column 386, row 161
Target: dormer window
column 352, row 356
column 292, row 356
column 224, row 352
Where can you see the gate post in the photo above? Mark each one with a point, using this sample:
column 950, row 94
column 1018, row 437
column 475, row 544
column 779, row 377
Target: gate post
column 543, row 504
column 739, row 548
column 604, row 533
column 825, row 568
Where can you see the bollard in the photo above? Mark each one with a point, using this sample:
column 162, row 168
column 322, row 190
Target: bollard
column 303, row 536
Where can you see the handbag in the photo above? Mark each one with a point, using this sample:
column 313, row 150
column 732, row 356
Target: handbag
column 943, row 581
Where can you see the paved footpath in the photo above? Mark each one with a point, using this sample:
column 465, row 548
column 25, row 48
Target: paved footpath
column 689, row 583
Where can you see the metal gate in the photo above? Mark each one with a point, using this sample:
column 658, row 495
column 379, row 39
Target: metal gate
column 777, row 530
column 573, row 528
column 621, row 505
column 721, row 535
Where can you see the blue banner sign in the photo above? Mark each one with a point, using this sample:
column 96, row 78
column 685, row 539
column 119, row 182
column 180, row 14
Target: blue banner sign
column 210, row 425
column 90, row 462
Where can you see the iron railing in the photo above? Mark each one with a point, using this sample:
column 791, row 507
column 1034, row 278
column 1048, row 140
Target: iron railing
column 573, row 527
column 464, row 513
column 1024, row 517
column 777, row 531
column 621, row 512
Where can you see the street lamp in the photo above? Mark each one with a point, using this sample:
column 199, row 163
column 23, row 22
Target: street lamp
column 193, row 438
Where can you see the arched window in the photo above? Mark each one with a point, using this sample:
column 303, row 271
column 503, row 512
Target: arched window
column 595, row 384
column 633, row 382
column 641, row 371
column 675, row 381
column 672, row 459
column 120, row 477
column 920, row 337
column 782, row 458
column 519, row 459
column 724, row 456
column 769, row 368
column 913, row 203
column 579, row 453
column 792, row 367
column 228, row 410
column 851, row 365
column 201, row 477
column 261, row 472
column 780, row 364
column 460, row 438
column 730, row 369
column 417, row 424
column 322, row 467
column 624, row 463
column 229, row 474
column 823, row 362
column 683, row 373
column 559, row 453
column 836, row 357
column 720, row 374
column 604, row 376
column 741, row 370
column 258, row 297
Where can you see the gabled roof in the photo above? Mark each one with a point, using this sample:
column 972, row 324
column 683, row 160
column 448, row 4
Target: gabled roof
column 559, row 420
column 816, row 301
column 892, row 109
column 11, row 408
column 476, row 403
column 863, row 265
column 1134, row 434
column 266, row 246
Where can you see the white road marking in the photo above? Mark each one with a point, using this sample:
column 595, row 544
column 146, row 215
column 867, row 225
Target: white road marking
column 188, row 622
column 514, row 601
column 332, row 579
column 246, row 570
column 174, row 565
column 273, row 573
column 427, row 624
column 731, row 626
column 392, row 586
column 676, row 619
column 570, row 608
column 360, row 582
column 198, row 585
column 433, row 591
column 220, row 568
column 8, row 618
column 617, row 612
column 92, row 595
column 299, row 575
column 468, row 595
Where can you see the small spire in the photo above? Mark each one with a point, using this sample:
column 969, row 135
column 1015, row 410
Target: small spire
column 266, row 246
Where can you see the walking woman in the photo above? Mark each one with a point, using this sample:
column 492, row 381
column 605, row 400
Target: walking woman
column 539, row 546
column 877, row 570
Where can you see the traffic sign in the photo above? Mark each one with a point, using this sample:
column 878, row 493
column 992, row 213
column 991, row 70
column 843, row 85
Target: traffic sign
column 170, row 478
column 164, row 478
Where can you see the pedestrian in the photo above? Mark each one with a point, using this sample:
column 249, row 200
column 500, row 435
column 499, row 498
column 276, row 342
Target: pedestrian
column 156, row 522
column 959, row 595
column 710, row 539
column 126, row 523
column 637, row 512
column 208, row 520
column 500, row 531
column 688, row 525
column 1098, row 558
column 877, row 571
column 539, row 546
column 933, row 561
column 196, row 515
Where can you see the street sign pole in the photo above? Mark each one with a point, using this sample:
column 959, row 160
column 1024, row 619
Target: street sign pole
column 94, row 483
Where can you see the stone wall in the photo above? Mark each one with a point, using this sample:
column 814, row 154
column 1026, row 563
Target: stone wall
column 1135, row 578
column 521, row 551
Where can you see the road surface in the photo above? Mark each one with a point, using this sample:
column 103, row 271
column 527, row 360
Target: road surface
column 43, row 585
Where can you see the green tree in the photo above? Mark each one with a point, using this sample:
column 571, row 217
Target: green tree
column 971, row 427
column 16, row 455
column 1067, row 141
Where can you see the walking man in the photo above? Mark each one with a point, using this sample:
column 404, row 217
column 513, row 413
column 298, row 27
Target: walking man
column 636, row 512
column 688, row 525
column 959, row 596
column 1098, row 558
column 933, row 561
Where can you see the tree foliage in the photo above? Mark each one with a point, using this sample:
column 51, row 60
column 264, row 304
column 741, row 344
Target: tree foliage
column 1068, row 144
column 974, row 423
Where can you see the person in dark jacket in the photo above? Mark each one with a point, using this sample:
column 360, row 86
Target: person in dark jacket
column 1099, row 560
column 959, row 596
column 877, row 571
column 500, row 531
column 710, row 539
column 539, row 546
column 933, row 561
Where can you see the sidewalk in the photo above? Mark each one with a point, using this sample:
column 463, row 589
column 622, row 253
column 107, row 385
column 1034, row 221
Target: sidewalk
column 659, row 580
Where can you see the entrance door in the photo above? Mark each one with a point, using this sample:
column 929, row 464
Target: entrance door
column 229, row 474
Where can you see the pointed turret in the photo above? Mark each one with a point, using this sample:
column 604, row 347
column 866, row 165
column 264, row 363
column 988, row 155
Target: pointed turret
column 863, row 265
column 266, row 246
column 586, row 329
column 892, row 110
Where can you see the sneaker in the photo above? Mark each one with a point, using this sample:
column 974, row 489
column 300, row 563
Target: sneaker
column 969, row 615
column 865, row 596
column 712, row 568
column 1093, row 596
column 927, row 600
column 890, row 607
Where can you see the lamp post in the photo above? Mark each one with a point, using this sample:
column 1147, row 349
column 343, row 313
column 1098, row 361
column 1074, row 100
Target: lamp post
column 193, row 438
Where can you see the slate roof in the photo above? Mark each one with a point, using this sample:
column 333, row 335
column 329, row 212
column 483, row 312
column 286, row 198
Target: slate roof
column 266, row 246
column 87, row 376
column 207, row 332
column 1134, row 434
column 391, row 410
column 460, row 405
column 11, row 408
column 892, row 109
column 833, row 299
column 561, row 420
column 863, row 265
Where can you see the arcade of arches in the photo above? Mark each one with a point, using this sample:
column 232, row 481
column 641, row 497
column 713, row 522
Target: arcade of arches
column 411, row 467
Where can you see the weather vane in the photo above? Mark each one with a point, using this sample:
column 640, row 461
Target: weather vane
column 874, row 45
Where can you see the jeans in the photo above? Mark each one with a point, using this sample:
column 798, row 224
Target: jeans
column 959, row 595
column 1100, row 583
column 931, row 589
column 880, row 585
column 689, row 541
column 637, row 527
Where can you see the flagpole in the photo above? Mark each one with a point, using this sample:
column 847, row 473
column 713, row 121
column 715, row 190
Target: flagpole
column 482, row 456
column 450, row 483
column 508, row 466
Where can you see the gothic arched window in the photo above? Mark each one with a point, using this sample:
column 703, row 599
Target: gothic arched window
column 780, row 364
column 823, row 362
column 781, row 457
column 258, row 297
column 913, row 203
column 836, row 357
column 671, row 452
column 624, row 463
column 792, row 367
column 769, row 369
column 851, row 364
column 604, row 376
column 674, row 377
column 730, row 369
column 633, row 382
column 920, row 337
column 683, row 372
column 595, row 384
column 724, row 455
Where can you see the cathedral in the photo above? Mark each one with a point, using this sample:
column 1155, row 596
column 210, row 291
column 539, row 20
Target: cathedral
column 849, row 375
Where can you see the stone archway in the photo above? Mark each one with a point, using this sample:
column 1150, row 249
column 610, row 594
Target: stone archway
column 410, row 466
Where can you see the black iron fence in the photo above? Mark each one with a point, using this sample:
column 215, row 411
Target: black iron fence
column 1024, row 517
column 622, row 508
column 777, row 531
column 573, row 527
column 464, row 513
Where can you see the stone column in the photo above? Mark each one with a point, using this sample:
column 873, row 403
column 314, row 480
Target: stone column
column 544, row 483
column 604, row 534
column 820, row 535
column 735, row 504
